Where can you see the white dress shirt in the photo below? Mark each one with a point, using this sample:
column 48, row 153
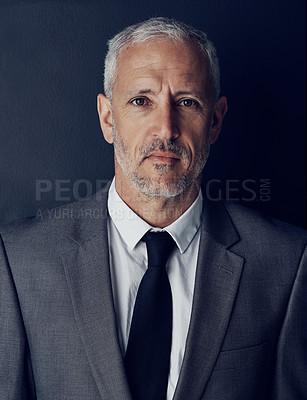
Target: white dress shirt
column 128, row 262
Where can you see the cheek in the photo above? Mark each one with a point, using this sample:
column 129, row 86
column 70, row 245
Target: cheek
column 195, row 141
column 196, row 127
column 131, row 130
column 129, row 144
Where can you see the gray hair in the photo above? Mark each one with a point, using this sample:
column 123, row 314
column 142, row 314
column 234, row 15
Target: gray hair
column 157, row 28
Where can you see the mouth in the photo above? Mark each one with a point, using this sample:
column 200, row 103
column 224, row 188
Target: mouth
column 165, row 157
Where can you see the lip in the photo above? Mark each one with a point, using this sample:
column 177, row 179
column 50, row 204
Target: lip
column 163, row 156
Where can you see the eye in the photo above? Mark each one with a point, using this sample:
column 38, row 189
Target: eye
column 139, row 101
column 188, row 103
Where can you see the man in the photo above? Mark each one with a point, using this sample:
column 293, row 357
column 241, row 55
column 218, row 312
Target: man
column 228, row 320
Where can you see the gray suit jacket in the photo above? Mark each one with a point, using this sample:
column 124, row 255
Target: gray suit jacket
column 58, row 335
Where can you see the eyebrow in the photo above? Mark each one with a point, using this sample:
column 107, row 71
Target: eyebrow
column 142, row 91
column 189, row 92
column 179, row 93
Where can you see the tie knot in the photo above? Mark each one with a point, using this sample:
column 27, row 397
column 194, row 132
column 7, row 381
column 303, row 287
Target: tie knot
column 159, row 247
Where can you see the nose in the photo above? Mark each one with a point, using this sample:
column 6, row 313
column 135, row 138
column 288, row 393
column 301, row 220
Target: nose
column 167, row 123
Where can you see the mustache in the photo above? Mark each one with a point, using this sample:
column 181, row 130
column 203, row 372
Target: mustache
column 159, row 144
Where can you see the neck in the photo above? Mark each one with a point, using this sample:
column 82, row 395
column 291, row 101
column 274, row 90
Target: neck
column 158, row 211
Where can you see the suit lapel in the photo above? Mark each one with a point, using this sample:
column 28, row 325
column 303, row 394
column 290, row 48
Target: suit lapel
column 89, row 283
column 217, row 281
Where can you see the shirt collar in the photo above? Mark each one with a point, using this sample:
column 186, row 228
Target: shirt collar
column 132, row 228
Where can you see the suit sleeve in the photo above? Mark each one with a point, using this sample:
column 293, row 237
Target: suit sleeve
column 290, row 380
column 16, row 379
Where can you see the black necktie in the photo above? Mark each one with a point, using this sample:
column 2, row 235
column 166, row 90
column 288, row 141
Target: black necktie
column 147, row 357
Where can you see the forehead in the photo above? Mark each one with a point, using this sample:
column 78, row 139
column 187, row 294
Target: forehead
column 174, row 62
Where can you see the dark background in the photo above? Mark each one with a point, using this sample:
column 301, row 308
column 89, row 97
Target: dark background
column 51, row 69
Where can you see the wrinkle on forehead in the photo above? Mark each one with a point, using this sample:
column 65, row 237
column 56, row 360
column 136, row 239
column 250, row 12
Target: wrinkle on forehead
column 155, row 64
column 161, row 54
column 139, row 57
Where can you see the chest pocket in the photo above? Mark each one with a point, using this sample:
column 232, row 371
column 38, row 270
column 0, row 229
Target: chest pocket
column 247, row 357
column 241, row 374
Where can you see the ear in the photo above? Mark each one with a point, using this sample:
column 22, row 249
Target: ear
column 217, row 119
column 105, row 116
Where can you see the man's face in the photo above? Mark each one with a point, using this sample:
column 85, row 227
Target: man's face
column 162, row 116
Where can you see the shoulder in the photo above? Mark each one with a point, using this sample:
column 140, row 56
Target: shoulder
column 251, row 222
column 268, row 235
column 58, row 225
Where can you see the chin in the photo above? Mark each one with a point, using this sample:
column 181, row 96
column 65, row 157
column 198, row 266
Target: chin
column 161, row 187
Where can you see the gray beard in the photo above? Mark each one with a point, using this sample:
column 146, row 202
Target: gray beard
column 160, row 186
